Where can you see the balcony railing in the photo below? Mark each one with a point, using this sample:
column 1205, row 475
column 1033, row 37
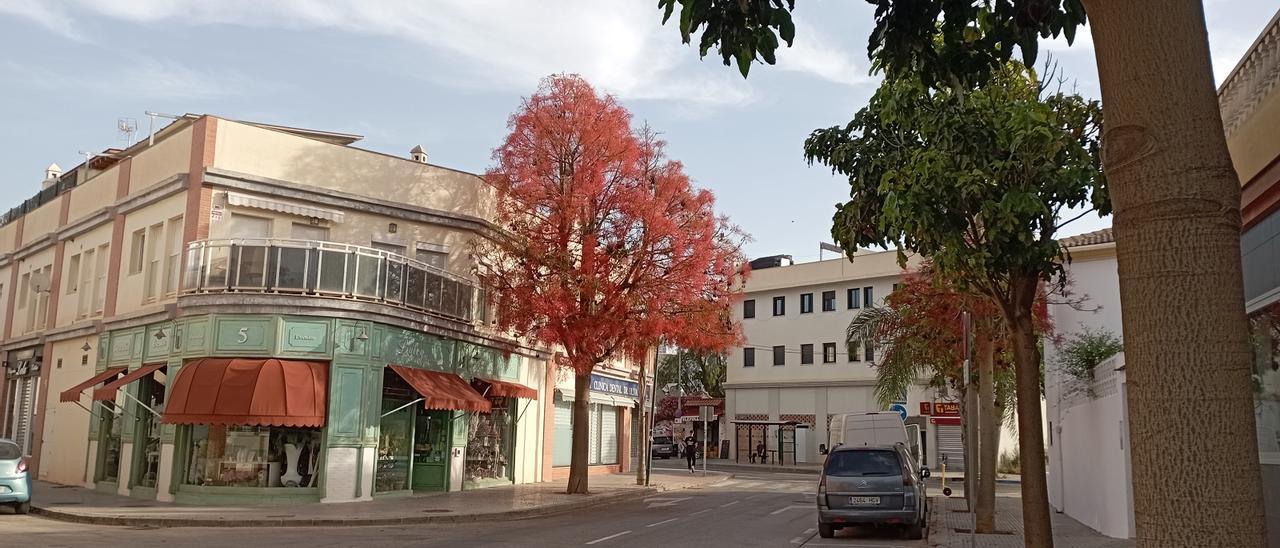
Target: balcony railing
column 257, row 265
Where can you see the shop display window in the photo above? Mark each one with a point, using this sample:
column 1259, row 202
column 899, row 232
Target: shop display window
column 489, row 442
column 151, row 393
column 109, row 448
column 253, row 456
column 394, row 444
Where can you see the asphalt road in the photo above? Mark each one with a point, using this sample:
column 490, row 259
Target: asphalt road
column 765, row 509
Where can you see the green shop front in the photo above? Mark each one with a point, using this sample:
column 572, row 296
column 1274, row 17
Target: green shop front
column 282, row 409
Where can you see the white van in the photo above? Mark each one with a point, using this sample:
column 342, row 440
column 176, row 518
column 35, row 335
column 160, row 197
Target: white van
column 874, row 428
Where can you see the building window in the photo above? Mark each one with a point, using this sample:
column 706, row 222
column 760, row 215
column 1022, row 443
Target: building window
column 314, row 233
column 490, row 438
column 138, row 250
column 828, row 301
column 806, row 303
column 854, row 350
column 85, row 300
column 151, row 268
column 806, row 354
column 829, row 352
column 388, row 247
column 779, row 306
column 779, row 355
column 73, row 274
column 108, row 468
column 438, row 259
column 562, row 446
column 867, row 297
column 852, row 296
column 748, row 357
column 869, row 351
column 895, row 287
column 100, row 278
column 255, row 455
column 748, row 309
column 173, row 254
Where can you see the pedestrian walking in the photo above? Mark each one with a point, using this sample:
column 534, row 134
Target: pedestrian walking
column 690, row 448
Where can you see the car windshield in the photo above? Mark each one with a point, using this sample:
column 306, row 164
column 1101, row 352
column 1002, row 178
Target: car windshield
column 9, row 450
column 863, row 463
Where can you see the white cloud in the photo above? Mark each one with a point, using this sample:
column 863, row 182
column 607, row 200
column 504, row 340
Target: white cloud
column 144, row 78
column 814, row 53
column 44, row 13
column 491, row 43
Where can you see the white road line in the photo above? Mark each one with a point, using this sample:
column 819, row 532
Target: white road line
column 803, row 536
column 662, row 522
column 615, row 535
column 700, row 511
column 785, row 508
column 726, row 505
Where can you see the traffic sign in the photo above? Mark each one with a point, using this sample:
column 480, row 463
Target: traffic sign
column 900, row 409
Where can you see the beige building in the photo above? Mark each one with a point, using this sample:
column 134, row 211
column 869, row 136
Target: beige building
column 234, row 310
column 796, row 371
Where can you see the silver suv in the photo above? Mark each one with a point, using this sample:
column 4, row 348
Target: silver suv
column 872, row 485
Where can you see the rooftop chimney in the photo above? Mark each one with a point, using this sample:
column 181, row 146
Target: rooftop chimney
column 418, row 154
column 51, row 175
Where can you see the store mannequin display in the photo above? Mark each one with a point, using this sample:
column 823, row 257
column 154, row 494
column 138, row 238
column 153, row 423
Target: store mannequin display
column 291, row 477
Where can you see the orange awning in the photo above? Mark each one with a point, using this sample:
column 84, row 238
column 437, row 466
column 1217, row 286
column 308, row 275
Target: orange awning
column 504, row 389
column 443, row 390
column 108, row 392
column 73, row 393
column 249, row 392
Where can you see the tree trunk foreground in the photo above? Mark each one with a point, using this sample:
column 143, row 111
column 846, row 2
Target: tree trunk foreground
column 581, row 431
column 1176, row 196
column 1026, row 357
column 988, row 435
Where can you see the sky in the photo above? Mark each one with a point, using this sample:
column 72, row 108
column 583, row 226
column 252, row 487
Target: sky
column 446, row 74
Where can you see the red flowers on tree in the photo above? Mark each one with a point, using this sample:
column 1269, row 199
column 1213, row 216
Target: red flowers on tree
column 606, row 247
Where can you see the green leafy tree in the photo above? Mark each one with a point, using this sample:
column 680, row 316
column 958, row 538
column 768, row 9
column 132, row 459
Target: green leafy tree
column 975, row 179
column 1177, row 220
column 695, row 372
column 1082, row 351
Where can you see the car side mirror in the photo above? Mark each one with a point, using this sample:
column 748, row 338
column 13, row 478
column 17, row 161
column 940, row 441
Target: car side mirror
column 924, row 473
column 822, row 448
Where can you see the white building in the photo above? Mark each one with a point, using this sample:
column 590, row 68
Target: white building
column 796, row 367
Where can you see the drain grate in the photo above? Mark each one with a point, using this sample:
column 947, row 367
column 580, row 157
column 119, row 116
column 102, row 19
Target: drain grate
column 63, row 487
column 283, row 516
column 72, row 503
column 436, row 511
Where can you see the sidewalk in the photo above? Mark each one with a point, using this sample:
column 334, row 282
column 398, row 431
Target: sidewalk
column 730, row 464
column 78, row 504
column 1067, row 532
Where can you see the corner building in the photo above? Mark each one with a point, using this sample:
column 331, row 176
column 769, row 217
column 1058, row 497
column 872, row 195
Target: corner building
column 239, row 312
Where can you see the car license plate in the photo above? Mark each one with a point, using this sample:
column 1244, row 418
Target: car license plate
column 864, row 501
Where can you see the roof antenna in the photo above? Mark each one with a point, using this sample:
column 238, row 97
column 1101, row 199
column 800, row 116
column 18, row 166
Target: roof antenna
column 126, row 128
column 151, row 128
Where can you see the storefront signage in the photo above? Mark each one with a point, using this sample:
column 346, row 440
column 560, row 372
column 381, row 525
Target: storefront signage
column 926, row 408
column 946, row 409
column 610, row 385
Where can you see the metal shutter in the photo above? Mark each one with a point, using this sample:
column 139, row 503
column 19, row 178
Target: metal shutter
column 593, row 437
column 562, row 442
column 608, row 435
column 951, row 444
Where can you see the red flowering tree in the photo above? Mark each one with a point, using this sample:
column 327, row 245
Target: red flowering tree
column 606, row 247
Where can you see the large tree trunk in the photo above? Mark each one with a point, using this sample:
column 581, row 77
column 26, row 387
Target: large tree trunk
column 1036, row 522
column 581, row 431
column 642, row 462
column 988, row 435
column 1177, row 225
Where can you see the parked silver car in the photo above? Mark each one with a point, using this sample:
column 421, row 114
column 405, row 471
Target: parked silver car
column 872, row 485
column 15, row 483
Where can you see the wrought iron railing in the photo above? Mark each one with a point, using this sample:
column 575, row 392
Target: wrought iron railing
column 325, row 269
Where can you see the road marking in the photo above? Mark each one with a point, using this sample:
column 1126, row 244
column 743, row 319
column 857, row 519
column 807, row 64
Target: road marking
column 700, row 512
column 806, row 535
column 616, row 535
column 655, row 502
column 785, row 508
column 729, row 504
column 661, row 522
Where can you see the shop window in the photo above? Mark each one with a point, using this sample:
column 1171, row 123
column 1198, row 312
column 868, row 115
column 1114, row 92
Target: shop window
column 253, row 456
column 150, row 392
column 109, row 443
column 395, row 438
column 489, row 442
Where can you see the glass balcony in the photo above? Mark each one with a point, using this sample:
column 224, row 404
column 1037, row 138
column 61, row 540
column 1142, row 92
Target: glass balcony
column 329, row 269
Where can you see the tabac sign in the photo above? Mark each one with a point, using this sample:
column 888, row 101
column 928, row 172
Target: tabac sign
column 610, row 385
column 946, row 409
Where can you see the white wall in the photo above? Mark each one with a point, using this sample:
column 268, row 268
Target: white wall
column 1088, row 437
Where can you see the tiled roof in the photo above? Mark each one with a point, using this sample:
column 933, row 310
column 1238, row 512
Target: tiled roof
column 1096, row 237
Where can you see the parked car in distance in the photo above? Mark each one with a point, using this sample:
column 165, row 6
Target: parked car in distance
column 875, row 485
column 15, row 483
column 664, row 447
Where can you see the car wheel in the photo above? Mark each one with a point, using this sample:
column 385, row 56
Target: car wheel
column 21, row 507
column 826, row 530
column 915, row 531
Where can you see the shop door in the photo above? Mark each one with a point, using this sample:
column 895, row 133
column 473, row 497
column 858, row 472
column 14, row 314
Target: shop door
column 431, row 450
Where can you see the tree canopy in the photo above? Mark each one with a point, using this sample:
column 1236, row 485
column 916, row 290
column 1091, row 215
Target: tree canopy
column 607, row 247
column 694, row 372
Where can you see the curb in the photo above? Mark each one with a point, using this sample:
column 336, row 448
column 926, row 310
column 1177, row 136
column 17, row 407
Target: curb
column 588, row 502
